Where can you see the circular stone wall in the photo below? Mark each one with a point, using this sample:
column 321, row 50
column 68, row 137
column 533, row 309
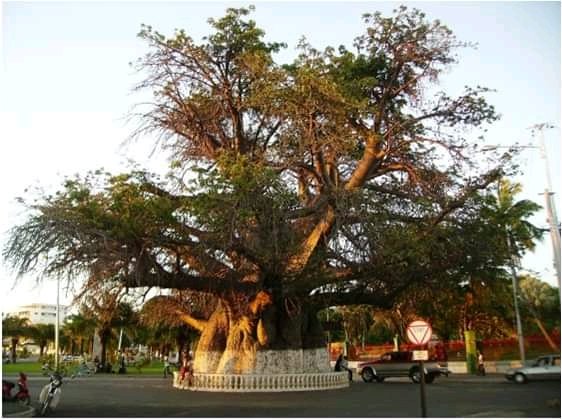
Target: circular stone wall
column 290, row 382
column 267, row 362
column 271, row 371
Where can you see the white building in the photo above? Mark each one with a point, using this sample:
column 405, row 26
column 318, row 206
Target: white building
column 40, row 313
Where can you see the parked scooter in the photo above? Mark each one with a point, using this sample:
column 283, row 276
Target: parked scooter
column 50, row 394
column 21, row 396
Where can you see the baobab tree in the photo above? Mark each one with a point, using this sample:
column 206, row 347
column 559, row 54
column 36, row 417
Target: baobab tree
column 336, row 179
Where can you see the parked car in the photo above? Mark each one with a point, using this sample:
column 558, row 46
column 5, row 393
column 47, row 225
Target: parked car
column 543, row 368
column 400, row 364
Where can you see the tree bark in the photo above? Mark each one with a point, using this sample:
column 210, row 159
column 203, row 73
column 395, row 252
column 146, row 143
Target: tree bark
column 104, row 337
column 255, row 335
column 14, row 344
column 551, row 343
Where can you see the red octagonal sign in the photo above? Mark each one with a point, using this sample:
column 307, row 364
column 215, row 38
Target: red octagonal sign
column 419, row 332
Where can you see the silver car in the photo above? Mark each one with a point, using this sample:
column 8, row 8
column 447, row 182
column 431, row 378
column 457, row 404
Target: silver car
column 400, row 364
column 543, row 368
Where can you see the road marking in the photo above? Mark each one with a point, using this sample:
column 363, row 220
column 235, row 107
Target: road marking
column 498, row 413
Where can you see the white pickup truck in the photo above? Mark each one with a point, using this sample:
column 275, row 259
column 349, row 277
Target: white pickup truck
column 400, row 364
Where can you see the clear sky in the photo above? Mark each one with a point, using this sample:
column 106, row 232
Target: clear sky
column 66, row 85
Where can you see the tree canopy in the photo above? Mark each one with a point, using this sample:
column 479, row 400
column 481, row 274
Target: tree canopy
column 339, row 178
column 15, row 327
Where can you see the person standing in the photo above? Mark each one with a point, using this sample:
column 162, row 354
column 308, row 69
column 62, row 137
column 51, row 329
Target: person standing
column 341, row 364
column 167, row 366
column 122, row 368
column 481, row 369
column 186, row 370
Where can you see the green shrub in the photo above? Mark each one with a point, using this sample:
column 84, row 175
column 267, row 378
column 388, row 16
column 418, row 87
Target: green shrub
column 142, row 362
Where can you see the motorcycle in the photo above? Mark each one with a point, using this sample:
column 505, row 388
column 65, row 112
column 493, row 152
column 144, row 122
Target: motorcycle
column 50, row 394
column 22, row 396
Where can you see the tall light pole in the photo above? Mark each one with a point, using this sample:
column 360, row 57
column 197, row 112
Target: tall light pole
column 57, row 328
column 514, row 284
column 550, row 206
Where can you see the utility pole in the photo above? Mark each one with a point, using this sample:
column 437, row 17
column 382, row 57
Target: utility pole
column 57, row 326
column 552, row 218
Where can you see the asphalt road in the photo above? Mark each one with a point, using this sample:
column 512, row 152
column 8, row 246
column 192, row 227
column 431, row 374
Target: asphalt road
column 456, row 396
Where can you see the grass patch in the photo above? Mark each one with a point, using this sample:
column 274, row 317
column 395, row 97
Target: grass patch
column 11, row 369
column 154, row 368
column 25, row 367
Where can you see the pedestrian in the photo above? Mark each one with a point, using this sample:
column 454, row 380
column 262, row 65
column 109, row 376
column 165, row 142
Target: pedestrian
column 167, row 366
column 481, row 370
column 122, row 368
column 186, row 370
column 341, row 365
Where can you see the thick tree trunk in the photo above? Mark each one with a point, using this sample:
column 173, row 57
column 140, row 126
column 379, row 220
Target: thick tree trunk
column 14, row 345
column 257, row 336
column 551, row 343
column 104, row 338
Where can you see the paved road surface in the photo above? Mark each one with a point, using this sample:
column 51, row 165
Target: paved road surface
column 456, row 396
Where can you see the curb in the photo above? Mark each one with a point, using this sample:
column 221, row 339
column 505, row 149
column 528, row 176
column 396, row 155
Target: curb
column 488, row 378
column 27, row 413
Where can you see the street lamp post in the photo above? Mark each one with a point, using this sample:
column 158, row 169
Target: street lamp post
column 550, row 207
column 57, row 328
column 516, row 303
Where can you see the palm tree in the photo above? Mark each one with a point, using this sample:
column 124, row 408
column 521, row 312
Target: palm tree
column 42, row 334
column 81, row 328
column 356, row 321
column 517, row 234
column 162, row 330
column 511, row 217
column 106, row 306
column 125, row 319
column 15, row 328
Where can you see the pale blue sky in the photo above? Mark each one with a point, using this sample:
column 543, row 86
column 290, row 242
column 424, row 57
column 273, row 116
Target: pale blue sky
column 66, row 85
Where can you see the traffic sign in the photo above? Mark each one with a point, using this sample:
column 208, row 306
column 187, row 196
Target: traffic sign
column 420, row 355
column 419, row 332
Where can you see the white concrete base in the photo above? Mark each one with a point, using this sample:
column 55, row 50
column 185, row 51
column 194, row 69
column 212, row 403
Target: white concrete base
column 263, row 383
column 266, row 362
column 490, row 367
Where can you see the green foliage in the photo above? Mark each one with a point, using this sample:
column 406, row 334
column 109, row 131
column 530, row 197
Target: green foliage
column 79, row 327
column 48, row 359
column 141, row 363
column 14, row 326
column 379, row 333
column 324, row 181
column 42, row 335
column 23, row 353
column 511, row 217
column 539, row 301
column 356, row 322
